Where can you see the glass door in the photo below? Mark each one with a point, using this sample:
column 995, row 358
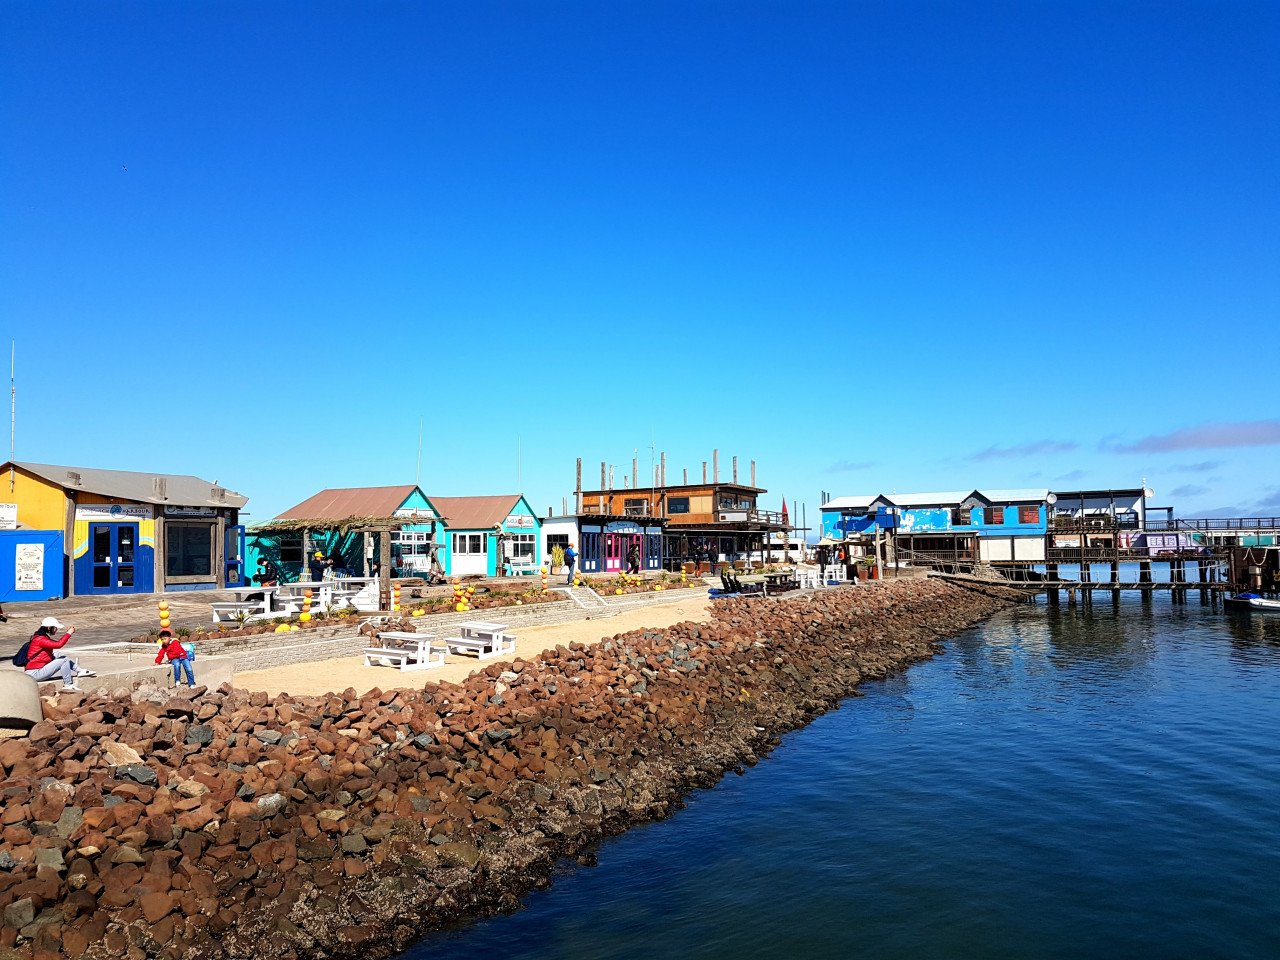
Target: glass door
column 114, row 547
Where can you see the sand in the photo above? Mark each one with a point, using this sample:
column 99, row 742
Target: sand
column 325, row 676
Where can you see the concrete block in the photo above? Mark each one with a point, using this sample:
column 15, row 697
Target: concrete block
column 19, row 700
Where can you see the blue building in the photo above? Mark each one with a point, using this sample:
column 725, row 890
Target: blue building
column 984, row 525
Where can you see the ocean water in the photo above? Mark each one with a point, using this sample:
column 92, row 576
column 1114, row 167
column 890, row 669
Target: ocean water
column 1064, row 782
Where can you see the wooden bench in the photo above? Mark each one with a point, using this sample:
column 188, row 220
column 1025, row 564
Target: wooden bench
column 523, row 568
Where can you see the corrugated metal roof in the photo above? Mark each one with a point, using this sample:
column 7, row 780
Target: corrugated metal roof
column 945, row 498
column 849, row 503
column 475, row 513
column 1036, row 495
column 179, row 490
column 343, row 503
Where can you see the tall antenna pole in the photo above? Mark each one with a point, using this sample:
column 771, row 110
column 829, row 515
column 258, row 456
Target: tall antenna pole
column 417, row 472
column 13, row 406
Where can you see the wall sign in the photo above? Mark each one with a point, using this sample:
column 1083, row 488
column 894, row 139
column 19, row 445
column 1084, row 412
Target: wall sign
column 29, row 567
column 190, row 512
column 519, row 521
column 622, row 526
column 8, row 516
column 113, row 511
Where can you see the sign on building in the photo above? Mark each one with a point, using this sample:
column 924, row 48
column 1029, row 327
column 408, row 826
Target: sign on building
column 8, row 516
column 519, row 521
column 113, row 511
column 29, row 567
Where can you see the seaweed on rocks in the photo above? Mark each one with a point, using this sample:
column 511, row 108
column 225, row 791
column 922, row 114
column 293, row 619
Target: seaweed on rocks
column 245, row 826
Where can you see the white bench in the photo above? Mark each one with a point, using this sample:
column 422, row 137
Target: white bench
column 523, row 568
column 486, row 640
column 408, row 651
column 229, row 611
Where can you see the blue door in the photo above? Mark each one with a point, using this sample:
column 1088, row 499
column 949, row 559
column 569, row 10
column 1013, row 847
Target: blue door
column 234, row 553
column 114, row 548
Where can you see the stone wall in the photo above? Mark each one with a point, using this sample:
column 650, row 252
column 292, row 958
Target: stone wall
column 238, row 825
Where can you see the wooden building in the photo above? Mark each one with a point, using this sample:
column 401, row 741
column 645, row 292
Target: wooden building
column 711, row 522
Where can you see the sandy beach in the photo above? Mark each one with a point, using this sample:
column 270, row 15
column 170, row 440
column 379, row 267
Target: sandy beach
column 324, row 676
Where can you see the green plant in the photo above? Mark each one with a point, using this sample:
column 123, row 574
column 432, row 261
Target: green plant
column 182, row 632
column 557, row 556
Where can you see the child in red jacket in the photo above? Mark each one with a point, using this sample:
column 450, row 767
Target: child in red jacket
column 171, row 647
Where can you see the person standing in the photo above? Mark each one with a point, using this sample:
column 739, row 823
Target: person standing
column 316, row 566
column 179, row 656
column 43, row 663
column 633, row 559
column 570, row 558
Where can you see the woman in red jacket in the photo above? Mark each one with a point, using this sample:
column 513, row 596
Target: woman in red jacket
column 171, row 647
column 44, row 664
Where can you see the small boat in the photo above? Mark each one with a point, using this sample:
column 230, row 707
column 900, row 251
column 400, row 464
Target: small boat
column 1251, row 601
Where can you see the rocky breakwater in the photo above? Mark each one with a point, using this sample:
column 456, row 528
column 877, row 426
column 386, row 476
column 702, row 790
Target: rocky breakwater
column 237, row 825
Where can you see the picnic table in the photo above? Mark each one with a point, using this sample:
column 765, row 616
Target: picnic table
column 486, row 640
column 409, row 651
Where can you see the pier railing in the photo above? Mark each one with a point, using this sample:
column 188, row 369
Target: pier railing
column 1215, row 524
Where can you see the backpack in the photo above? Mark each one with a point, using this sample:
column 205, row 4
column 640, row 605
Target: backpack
column 23, row 655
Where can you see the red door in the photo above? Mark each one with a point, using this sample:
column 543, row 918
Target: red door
column 612, row 551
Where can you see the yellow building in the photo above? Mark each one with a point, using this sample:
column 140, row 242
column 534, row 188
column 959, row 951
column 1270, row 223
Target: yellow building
column 127, row 532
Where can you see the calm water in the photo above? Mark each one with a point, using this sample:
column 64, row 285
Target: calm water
column 1101, row 783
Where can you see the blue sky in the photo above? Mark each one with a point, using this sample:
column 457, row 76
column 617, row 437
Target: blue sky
column 872, row 246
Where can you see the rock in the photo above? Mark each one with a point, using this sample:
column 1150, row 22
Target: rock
column 126, row 854
column 191, row 788
column 459, row 854
column 499, row 734
column 69, row 822
column 119, row 754
column 354, row 843
column 49, row 857
column 156, row 906
column 270, row 805
column 199, row 735
column 268, row 737
column 138, row 773
column 6, row 860
column 20, row 913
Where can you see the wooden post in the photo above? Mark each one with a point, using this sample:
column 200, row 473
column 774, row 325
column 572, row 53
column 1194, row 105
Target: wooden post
column 715, row 466
column 753, row 473
column 1115, row 579
column 384, row 569
column 685, row 477
column 704, row 471
column 578, row 487
column 1202, row 570
column 1051, row 574
column 735, row 469
column 304, row 573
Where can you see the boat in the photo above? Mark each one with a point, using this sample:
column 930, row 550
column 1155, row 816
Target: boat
column 1251, row 601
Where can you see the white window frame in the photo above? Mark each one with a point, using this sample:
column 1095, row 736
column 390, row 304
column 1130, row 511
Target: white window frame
column 521, row 545
column 470, row 544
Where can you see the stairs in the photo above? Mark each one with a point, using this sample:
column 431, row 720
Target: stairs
column 584, row 597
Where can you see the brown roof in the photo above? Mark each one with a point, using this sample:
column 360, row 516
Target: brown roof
column 474, row 513
column 345, row 502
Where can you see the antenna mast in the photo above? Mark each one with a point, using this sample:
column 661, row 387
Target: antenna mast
column 13, row 406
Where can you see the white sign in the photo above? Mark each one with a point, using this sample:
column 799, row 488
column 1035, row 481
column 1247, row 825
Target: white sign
column 8, row 516
column 190, row 512
column 29, row 567
column 112, row 511
column 519, row 521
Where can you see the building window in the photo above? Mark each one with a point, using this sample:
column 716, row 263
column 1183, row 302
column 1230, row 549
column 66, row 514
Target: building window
column 677, row 505
column 635, row 506
column 470, row 543
column 961, row 517
column 1028, row 514
column 188, row 549
column 554, row 540
column 520, row 545
column 993, row 516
